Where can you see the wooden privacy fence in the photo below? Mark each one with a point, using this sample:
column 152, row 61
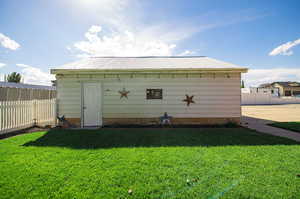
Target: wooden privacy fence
column 22, row 108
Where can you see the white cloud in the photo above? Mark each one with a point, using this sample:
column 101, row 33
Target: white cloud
column 255, row 77
column 186, row 53
column 6, row 42
column 104, row 5
column 123, row 32
column 94, row 29
column 33, row 75
column 110, row 12
column 125, row 43
column 2, row 65
column 285, row 49
column 2, row 75
column 127, row 31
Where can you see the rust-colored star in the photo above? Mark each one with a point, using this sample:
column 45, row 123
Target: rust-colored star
column 124, row 93
column 189, row 100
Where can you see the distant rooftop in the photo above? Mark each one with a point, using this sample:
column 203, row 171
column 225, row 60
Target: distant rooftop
column 284, row 84
column 20, row 85
column 288, row 84
column 149, row 63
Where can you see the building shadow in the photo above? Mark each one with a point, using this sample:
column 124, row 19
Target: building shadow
column 253, row 120
column 155, row 137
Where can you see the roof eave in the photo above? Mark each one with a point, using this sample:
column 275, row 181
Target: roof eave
column 101, row 71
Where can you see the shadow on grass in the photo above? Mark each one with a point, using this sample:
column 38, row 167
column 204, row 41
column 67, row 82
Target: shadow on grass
column 112, row 138
column 292, row 126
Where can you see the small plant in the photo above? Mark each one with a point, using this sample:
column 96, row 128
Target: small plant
column 230, row 125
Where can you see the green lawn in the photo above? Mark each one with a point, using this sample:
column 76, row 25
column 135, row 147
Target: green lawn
column 293, row 126
column 153, row 163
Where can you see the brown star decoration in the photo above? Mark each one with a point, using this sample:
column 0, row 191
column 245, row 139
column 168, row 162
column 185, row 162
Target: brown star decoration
column 124, row 93
column 189, row 100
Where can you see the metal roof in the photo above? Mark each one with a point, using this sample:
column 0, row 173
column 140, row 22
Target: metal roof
column 148, row 63
column 20, row 85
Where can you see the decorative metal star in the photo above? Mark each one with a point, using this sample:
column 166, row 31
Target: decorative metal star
column 124, row 93
column 165, row 119
column 189, row 100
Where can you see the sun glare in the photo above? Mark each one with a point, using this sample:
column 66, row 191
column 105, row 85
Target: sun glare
column 92, row 3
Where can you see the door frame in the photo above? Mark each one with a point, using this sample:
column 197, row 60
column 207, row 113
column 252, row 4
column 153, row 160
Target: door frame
column 82, row 102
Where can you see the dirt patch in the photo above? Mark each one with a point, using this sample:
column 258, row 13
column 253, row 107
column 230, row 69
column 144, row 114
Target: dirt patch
column 228, row 125
column 273, row 113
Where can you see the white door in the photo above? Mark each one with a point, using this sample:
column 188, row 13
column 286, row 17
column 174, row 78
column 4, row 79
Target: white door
column 92, row 104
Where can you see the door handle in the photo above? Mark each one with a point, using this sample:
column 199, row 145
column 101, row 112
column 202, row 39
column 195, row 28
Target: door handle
column 84, row 107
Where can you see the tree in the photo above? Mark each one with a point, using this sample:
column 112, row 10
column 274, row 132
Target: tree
column 14, row 77
column 243, row 84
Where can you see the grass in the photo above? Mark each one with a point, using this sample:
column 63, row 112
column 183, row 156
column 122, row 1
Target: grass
column 293, row 126
column 153, row 163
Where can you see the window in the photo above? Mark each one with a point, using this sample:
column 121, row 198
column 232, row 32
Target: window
column 296, row 93
column 288, row 93
column 154, row 93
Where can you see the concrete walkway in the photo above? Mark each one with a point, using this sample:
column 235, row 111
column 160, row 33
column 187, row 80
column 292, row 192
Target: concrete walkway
column 261, row 125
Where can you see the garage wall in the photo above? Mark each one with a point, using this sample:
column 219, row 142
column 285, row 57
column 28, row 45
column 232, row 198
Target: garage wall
column 215, row 95
column 68, row 97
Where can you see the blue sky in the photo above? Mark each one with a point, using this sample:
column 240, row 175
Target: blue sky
column 36, row 35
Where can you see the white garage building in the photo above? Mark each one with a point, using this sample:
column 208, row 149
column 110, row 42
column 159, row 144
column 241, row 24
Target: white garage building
column 101, row 91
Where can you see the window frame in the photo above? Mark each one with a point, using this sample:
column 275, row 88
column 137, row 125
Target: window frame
column 153, row 96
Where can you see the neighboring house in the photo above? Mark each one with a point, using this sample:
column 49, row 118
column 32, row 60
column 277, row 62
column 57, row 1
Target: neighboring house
column 101, row 91
column 21, row 85
column 285, row 88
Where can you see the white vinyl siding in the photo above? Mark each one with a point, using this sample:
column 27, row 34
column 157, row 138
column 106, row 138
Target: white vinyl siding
column 69, row 98
column 215, row 96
